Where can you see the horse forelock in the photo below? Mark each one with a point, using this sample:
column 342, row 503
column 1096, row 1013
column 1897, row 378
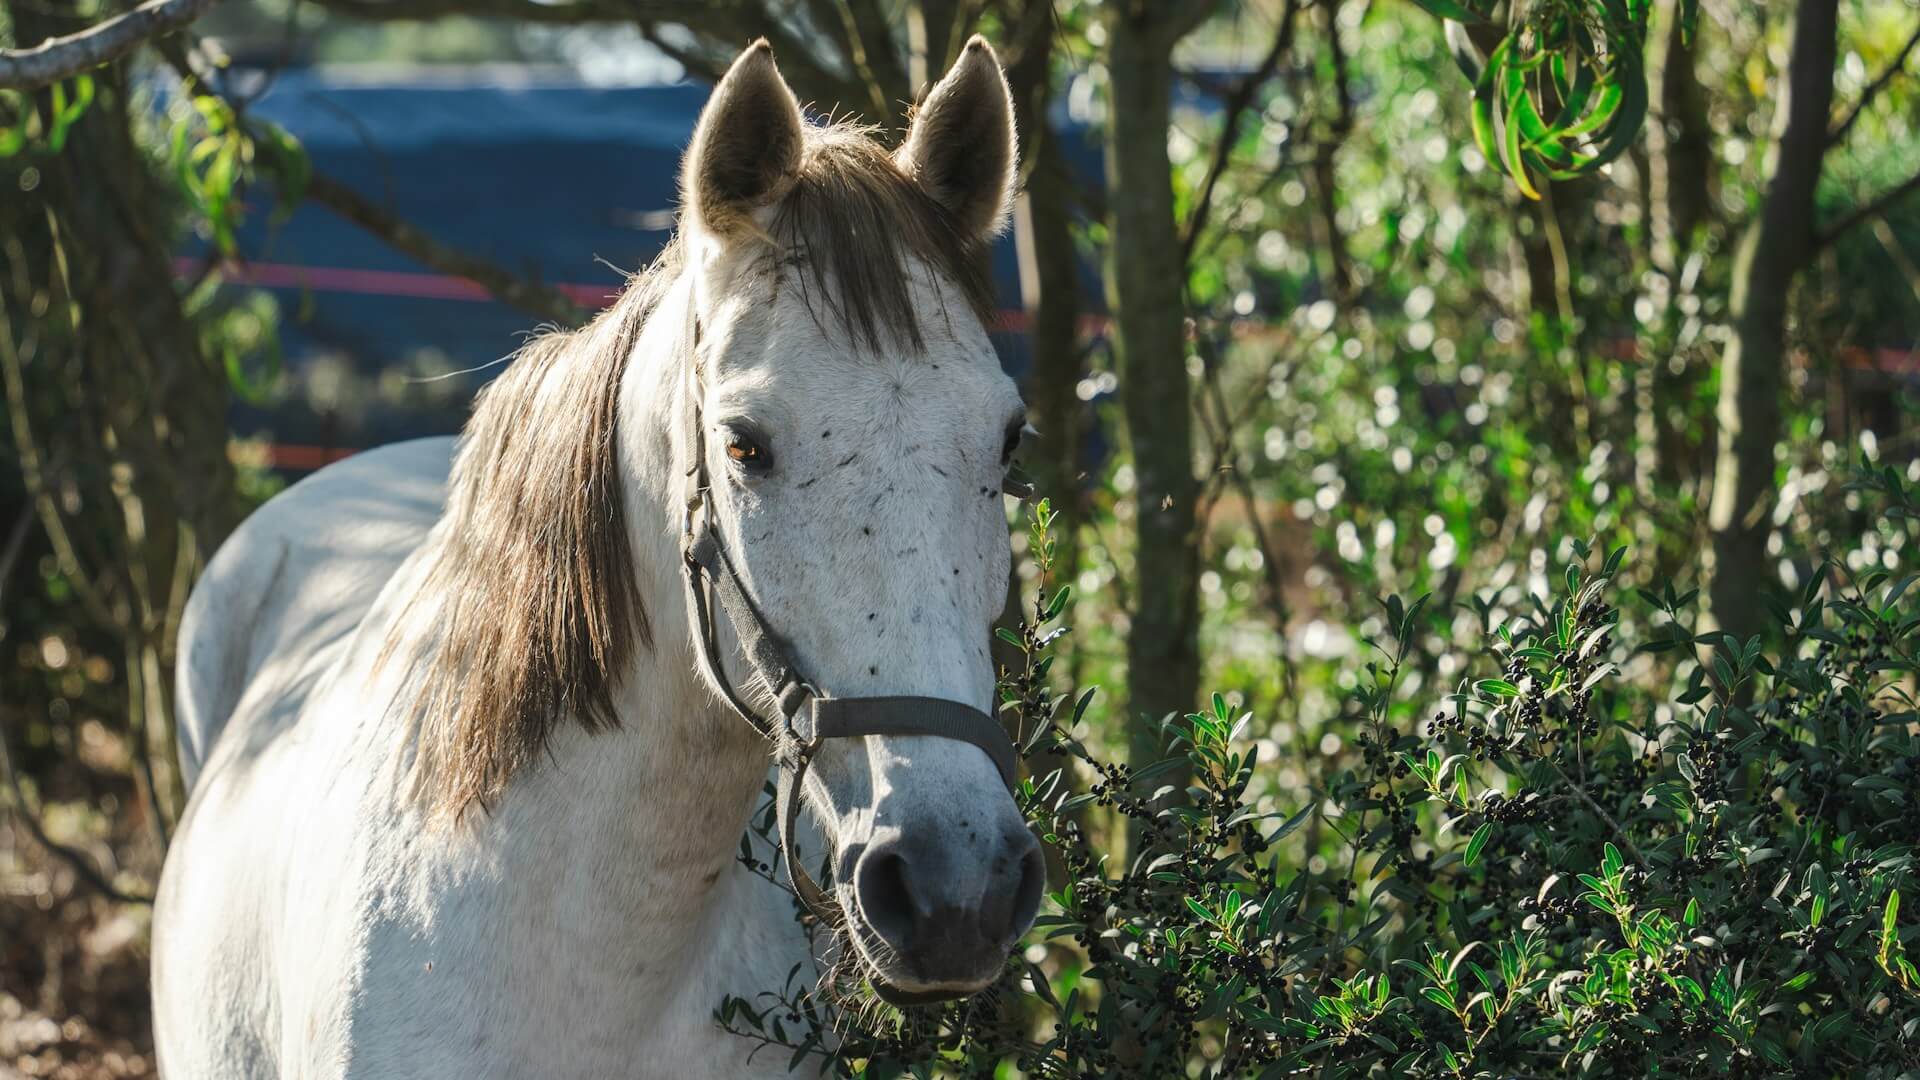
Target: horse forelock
column 539, row 611
column 858, row 224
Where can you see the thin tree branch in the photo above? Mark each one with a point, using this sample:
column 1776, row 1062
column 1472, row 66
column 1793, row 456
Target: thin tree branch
column 1865, row 213
column 59, row 57
column 534, row 11
column 82, row 867
column 1599, row 811
column 527, row 295
column 869, row 44
column 1873, row 89
column 698, row 65
column 1235, row 109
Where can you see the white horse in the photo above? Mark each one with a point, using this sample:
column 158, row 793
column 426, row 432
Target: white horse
column 467, row 796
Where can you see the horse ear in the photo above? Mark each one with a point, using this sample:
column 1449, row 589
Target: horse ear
column 746, row 148
column 961, row 147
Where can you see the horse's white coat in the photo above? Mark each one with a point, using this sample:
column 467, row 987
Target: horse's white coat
column 312, row 924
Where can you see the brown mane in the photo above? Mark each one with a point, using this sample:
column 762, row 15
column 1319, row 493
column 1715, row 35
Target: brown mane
column 542, row 613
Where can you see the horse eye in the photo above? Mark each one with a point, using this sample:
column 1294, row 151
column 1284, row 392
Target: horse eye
column 1015, row 432
column 748, row 453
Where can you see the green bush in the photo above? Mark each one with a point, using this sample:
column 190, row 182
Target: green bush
column 1692, row 867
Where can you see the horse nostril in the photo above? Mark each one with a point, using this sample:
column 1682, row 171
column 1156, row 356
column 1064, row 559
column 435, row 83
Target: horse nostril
column 1008, row 922
column 886, row 897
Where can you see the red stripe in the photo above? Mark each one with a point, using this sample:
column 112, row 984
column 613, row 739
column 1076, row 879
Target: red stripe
column 339, row 279
column 423, row 286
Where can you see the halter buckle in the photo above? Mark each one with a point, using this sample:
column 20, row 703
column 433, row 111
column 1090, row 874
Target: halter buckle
column 793, row 700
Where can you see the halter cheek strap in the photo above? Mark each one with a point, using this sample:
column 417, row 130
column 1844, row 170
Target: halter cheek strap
column 807, row 718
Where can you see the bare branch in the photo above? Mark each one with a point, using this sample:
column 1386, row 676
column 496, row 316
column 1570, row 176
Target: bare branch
column 869, row 37
column 82, row 867
column 1235, row 108
column 698, row 65
column 527, row 295
column 534, row 11
column 59, row 57
column 1873, row 89
column 1865, row 213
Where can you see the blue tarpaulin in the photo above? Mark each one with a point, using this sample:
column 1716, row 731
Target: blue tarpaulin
column 570, row 183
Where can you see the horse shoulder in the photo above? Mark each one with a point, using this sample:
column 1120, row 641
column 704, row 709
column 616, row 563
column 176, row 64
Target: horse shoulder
column 283, row 607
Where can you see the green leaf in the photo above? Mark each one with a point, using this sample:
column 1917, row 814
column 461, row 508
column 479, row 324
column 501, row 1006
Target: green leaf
column 1058, row 603
column 1291, row 824
column 1478, row 844
column 1449, row 9
column 1497, row 688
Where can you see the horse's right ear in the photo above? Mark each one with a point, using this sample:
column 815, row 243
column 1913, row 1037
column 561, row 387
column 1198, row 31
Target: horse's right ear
column 746, row 148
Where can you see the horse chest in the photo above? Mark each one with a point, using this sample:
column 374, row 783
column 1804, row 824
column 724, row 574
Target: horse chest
column 586, row 989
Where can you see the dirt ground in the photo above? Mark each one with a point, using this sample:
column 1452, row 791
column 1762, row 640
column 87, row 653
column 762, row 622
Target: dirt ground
column 73, row 971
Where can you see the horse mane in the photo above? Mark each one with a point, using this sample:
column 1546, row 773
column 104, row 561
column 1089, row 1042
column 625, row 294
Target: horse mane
column 542, row 611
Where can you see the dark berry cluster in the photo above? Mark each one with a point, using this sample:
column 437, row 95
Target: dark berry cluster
column 1707, row 763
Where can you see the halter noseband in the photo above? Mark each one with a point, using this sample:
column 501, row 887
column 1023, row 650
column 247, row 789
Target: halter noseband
column 807, row 717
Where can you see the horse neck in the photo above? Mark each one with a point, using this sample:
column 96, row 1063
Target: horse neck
column 663, row 801
column 693, row 771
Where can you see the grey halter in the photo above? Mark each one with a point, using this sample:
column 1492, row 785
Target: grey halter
column 807, row 717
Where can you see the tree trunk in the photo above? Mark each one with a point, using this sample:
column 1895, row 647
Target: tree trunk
column 1053, row 308
column 1054, row 336
column 1145, row 278
column 1679, row 169
column 1753, row 371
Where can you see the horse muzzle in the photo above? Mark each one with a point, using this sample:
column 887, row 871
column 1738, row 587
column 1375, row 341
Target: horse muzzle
column 936, row 916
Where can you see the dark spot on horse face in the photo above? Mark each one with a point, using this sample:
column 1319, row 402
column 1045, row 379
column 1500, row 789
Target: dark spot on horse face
column 939, row 470
column 867, row 529
column 873, row 671
column 848, row 460
column 826, row 433
column 807, row 483
column 872, row 615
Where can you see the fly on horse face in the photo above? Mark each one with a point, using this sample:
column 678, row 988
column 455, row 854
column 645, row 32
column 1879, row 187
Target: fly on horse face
column 474, row 729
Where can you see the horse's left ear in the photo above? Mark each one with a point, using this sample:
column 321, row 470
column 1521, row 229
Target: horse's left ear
column 961, row 147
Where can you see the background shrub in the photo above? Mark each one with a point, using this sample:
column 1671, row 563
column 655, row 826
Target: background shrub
column 1675, row 854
